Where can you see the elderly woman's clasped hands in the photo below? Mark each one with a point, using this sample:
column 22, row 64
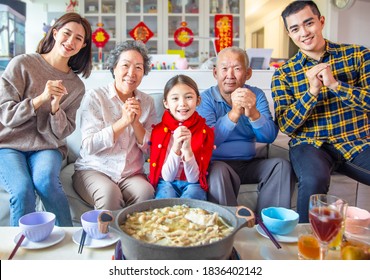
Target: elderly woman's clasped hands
column 131, row 110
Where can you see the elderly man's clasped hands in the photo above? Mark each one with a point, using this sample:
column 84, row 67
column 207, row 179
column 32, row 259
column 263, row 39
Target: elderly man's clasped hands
column 244, row 102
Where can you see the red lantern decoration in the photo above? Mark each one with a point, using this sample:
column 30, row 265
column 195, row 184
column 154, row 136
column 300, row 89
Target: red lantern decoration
column 141, row 32
column 223, row 31
column 100, row 37
column 184, row 35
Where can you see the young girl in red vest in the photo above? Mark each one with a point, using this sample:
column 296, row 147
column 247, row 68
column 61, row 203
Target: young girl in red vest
column 181, row 145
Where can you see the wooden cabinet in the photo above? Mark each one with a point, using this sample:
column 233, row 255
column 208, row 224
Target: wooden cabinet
column 164, row 17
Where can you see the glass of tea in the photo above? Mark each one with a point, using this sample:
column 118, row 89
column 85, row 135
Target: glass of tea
column 308, row 245
column 326, row 215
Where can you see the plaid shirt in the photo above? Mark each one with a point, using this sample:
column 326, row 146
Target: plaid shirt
column 340, row 117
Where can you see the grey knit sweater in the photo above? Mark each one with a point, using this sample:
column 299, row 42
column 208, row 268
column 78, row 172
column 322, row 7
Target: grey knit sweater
column 21, row 127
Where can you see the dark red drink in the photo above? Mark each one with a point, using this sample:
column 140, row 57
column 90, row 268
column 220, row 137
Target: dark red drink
column 326, row 222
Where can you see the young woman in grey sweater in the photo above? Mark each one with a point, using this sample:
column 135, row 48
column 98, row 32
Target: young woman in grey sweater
column 39, row 96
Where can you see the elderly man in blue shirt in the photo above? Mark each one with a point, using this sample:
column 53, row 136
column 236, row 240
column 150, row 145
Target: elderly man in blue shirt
column 241, row 117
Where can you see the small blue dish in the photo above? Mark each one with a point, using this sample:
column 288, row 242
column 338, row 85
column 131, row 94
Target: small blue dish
column 279, row 220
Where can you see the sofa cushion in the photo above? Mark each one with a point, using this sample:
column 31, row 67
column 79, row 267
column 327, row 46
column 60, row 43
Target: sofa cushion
column 158, row 103
column 344, row 187
column 77, row 205
column 248, row 194
column 355, row 193
column 5, row 210
column 74, row 141
column 280, row 148
column 4, row 213
column 363, row 196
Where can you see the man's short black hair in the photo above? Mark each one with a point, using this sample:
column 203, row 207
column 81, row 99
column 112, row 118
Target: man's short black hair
column 297, row 6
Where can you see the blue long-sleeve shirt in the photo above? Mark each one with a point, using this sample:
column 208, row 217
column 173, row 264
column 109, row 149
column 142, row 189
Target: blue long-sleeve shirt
column 236, row 141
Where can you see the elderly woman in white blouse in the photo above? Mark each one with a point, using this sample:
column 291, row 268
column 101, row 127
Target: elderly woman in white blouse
column 116, row 122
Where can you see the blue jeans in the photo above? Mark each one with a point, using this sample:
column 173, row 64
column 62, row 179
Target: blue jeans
column 181, row 189
column 313, row 168
column 23, row 174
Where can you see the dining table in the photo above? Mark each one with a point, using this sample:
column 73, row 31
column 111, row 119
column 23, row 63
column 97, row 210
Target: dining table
column 249, row 243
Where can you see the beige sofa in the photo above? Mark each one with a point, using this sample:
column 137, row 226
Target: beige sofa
column 354, row 192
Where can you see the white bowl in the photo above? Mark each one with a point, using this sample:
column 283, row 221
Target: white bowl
column 37, row 226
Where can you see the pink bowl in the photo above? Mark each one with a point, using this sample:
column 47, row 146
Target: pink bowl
column 357, row 217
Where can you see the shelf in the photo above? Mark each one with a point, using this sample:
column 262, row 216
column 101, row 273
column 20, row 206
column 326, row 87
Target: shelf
column 155, row 14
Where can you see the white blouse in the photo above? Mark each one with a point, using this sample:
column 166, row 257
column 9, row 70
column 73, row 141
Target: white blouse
column 100, row 109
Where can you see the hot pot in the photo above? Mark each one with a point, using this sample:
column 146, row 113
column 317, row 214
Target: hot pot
column 132, row 248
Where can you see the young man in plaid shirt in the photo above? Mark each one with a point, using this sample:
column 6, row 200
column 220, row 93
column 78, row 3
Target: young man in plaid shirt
column 322, row 101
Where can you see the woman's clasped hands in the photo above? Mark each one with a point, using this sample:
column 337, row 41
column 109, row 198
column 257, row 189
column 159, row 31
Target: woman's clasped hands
column 131, row 110
column 53, row 93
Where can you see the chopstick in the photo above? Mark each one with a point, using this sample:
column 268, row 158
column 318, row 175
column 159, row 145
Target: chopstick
column 20, row 240
column 269, row 234
column 118, row 254
column 82, row 242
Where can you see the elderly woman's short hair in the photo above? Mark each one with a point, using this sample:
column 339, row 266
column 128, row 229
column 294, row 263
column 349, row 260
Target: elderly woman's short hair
column 128, row 46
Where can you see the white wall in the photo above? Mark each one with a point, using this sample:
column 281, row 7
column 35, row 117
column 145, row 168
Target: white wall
column 356, row 28
column 345, row 26
column 276, row 37
column 37, row 14
column 274, row 33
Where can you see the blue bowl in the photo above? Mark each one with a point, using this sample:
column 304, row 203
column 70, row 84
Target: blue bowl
column 279, row 220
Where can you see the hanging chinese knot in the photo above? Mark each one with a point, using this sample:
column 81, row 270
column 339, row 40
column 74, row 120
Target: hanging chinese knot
column 184, row 35
column 141, row 32
column 100, row 37
column 223, row 31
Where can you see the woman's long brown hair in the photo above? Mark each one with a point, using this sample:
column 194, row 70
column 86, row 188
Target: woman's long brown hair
column 80, row 62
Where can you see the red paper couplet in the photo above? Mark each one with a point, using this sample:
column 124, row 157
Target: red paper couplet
column 223, row 31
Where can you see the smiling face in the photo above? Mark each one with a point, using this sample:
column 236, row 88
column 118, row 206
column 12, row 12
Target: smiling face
column 69, row 39
column 231, row 72
column 305, row 29
column 181, row 101
column 128, row 72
